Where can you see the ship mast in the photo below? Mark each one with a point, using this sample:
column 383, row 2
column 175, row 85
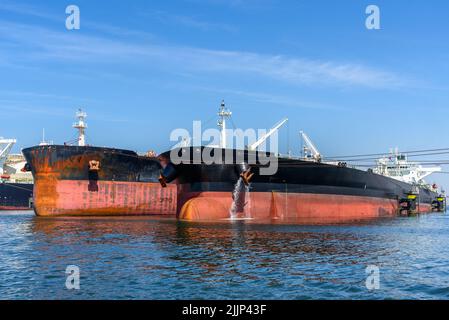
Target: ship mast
column 223, row 113
column 81, row 126
column 43, row 142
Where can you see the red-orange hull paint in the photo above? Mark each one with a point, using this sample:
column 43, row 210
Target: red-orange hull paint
column 54, row 197
column 301, row 208
column 424, row 208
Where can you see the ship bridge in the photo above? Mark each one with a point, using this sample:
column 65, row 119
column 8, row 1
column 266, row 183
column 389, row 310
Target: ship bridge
column 396, row 166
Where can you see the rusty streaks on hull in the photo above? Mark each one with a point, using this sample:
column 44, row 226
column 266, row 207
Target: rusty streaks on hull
column 72, row 162
column 120, row 183
column 72, row 197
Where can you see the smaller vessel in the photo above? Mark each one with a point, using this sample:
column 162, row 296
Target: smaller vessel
column 16, row 186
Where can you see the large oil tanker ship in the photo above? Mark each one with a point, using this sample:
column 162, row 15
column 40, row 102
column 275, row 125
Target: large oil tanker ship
column 302, row 190
column 85, row 180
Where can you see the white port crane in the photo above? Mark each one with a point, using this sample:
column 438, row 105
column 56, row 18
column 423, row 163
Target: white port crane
column 5, row 148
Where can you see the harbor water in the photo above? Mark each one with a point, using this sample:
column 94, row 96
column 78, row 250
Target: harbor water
column 152, row 258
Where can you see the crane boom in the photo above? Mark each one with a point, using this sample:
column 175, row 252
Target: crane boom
column 310, row 146
column 256, row 144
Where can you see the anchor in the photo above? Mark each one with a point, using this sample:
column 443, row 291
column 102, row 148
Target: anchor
column 246, row 176
column 162, row 181
column 167, row 174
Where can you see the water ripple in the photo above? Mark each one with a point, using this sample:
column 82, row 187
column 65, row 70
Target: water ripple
column 150, row 258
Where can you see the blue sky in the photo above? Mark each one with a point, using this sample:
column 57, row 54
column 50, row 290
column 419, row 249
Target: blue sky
column 142, row 68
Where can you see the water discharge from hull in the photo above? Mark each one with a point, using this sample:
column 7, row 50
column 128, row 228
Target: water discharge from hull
column 241, row 206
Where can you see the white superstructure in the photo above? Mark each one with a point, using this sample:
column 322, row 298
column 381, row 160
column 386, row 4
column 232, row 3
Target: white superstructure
column 11, row 164
column 81, row 126
column 396, row 165
column 12, row 169
column 223, row 114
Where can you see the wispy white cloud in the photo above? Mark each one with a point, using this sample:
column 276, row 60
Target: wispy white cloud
column 188, row 21
column 297, row 70
column 38, row 12
column 39, row 95
column 24, row 109
column 43, row 43
column 25, row 9
column 250, row 4
column 268, row 98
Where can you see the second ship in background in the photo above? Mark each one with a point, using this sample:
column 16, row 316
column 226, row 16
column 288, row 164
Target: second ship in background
column 16, row 186
column 86, row 180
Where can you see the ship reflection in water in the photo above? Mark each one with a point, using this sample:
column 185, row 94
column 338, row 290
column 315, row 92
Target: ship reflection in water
column 150, row 258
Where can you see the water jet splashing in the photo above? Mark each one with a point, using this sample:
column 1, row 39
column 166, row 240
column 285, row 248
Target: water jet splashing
column 240, row 208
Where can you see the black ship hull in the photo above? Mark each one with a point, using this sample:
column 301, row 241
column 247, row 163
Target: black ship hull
column 298, row 191
column 16, row 196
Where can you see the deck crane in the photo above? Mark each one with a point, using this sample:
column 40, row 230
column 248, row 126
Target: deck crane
column 309, row 149
column 256, row 144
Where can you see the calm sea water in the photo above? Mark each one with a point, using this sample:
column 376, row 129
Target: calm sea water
column 148, row 258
